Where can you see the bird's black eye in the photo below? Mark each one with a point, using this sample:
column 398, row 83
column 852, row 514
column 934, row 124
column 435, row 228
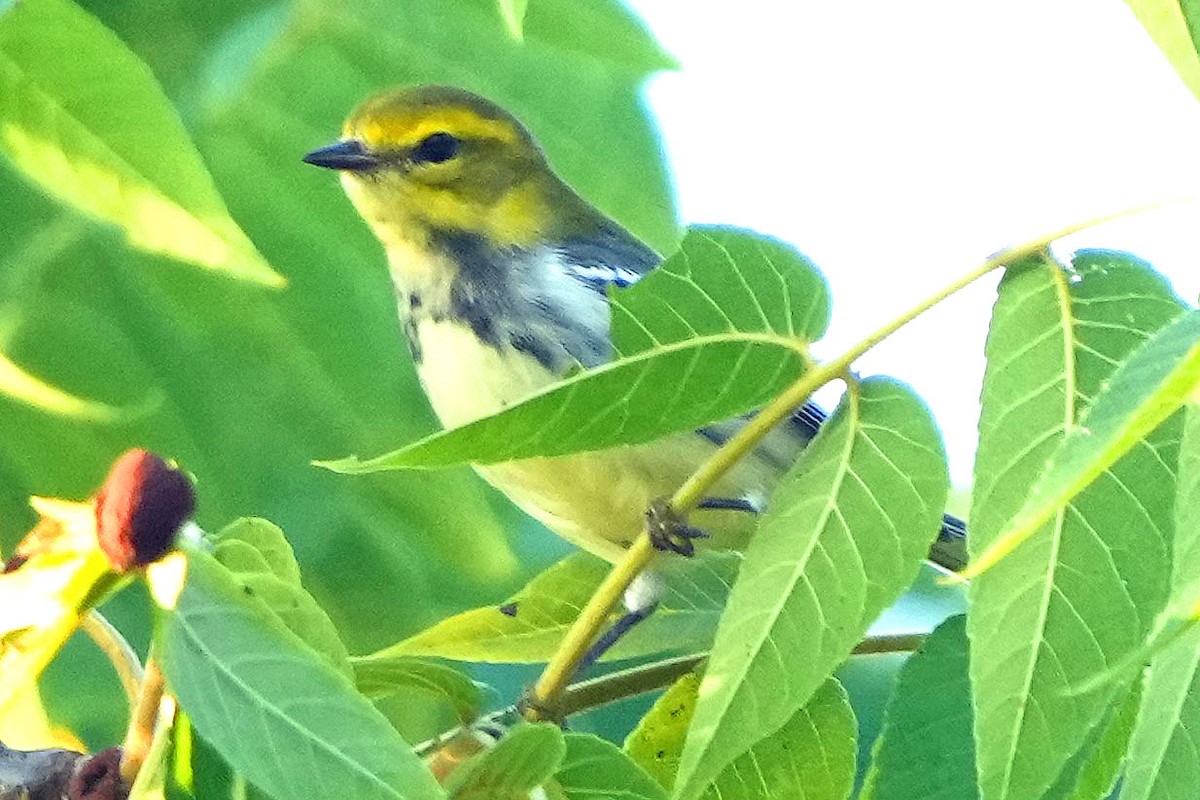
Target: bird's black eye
column 435, row 148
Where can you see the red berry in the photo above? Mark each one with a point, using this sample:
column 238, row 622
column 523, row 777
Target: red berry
column 140, row 509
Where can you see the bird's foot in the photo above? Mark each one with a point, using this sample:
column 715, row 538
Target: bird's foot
column 669, row 530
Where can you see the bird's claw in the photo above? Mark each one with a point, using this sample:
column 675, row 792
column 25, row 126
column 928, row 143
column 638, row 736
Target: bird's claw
column 669, row 531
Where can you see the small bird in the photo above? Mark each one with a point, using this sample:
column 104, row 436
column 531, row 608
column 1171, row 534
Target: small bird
column 501, row 272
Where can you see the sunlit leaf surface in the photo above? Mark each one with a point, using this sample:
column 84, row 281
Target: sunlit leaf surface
column 1083, row 590
column 1175, row 27
column 811, row 756
column 528, row 626
column 78, row 114
column 275, row 710
column 844, row 536
column 1162, row 761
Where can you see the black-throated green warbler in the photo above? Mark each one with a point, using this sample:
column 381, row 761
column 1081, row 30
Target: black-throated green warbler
column 501, row 273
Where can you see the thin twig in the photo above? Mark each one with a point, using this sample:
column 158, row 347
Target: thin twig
column 617, row 686
column 889, row 643
column 123, row 658
column 140, row 735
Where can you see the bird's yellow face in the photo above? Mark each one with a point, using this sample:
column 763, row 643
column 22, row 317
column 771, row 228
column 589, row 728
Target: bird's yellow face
column 430, row 158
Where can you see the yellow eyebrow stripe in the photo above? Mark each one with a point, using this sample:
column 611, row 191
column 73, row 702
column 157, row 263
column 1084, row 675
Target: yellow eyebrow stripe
column 404, row 130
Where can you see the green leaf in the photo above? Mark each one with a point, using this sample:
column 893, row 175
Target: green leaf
column 1081, row 592
column 598, row 29
column 1092, row 773
column 279, row 714
column 522, row 761
column 378, row 677
column 1175, row 27
column 657, row 742
column 926, row 747
column 274, row 553
column 844, row 535
column 1147, row 388
column 529, row 626
column 593, row 769
column 84, row 119
column 728, row 318
column 1162, row 761
column 260, row 561
column 811, row 756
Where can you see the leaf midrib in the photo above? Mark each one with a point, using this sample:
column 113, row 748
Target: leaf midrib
column 1062, row 291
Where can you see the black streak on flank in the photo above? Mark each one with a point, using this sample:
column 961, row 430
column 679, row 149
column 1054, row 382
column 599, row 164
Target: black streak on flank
column 414, row 341
column 508, row 609
column 534, row 346
column 713, row 436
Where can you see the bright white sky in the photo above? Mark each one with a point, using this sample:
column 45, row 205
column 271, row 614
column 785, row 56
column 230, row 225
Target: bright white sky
column 898, row 144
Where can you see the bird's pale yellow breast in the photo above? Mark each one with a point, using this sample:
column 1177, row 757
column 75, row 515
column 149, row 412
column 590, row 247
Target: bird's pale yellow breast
column 466, row 379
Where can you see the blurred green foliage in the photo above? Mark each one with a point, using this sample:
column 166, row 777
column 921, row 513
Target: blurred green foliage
column 249, row 385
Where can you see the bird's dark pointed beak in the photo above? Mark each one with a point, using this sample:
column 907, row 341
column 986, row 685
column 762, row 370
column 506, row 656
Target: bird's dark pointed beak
column 349, row 154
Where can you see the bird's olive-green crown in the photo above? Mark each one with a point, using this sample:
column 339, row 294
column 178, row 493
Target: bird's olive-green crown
column 434, row 157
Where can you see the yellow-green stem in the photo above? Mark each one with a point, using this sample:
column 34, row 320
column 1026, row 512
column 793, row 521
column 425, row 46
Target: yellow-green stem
column 142, row 720
column 119, row 653
column 548, row 690
column 560, row 670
